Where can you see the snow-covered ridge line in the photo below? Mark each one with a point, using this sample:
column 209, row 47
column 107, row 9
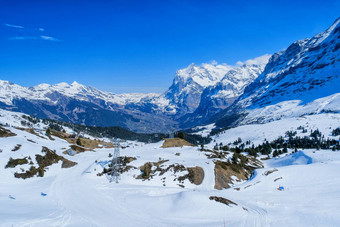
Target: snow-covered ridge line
column 204, row 75
column 87, row 105
column 293, row 82
column 212, row 81
column 9, row 91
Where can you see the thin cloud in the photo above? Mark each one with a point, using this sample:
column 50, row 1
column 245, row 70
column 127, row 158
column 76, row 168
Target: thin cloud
column 14, row 26
column 262, row 60
column 49, row 38
column 23, row 37
column 31, row 34
column 42, row 37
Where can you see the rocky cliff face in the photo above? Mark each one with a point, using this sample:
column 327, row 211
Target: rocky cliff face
column 221, row 95
column 189, row 83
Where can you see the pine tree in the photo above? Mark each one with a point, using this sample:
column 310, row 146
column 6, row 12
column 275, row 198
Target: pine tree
column 78, row 142
column 202, row 147
column 48, row 131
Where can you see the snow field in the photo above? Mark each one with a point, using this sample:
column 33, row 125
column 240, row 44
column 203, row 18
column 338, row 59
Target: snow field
column 78, row 197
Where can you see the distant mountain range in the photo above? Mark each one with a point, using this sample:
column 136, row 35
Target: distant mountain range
column 138, row 112
column 289, row 82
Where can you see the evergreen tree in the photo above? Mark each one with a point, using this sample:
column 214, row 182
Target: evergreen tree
column 48, row 131
column 78, row 142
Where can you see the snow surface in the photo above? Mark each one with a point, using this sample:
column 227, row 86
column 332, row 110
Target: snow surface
column 78, row 197
column 293, row 108
column 307, row 70
column 257, row 133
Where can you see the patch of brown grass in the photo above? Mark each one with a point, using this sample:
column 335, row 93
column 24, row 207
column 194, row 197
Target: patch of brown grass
column 86, row 143
column 176, row 142
column 12, row 163
column 6, row 133
column 30, row 130
column 225, row 170
column 50, row 157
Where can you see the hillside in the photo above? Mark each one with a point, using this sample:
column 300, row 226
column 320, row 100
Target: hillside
column 171, row 186
column 299, row 81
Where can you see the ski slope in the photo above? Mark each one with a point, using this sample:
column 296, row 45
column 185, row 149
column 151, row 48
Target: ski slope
column 78, row 197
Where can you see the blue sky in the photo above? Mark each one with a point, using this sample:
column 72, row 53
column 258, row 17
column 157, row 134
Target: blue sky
column 137, row 46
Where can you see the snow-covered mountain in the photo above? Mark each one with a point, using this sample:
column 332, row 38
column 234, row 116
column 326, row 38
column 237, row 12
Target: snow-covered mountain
column 189, row 83
column 305, row 75
column 44, row 92
column 139, row 112
column 83, row 105
column 222, row 94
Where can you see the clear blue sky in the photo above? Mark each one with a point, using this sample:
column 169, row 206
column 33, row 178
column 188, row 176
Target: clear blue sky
column 137, row 46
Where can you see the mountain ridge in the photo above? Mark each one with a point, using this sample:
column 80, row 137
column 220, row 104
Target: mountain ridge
column 306, row 71
column 82, row 104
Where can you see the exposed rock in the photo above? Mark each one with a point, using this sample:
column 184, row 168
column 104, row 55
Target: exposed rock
column 196, row 175
column 223, row 200
column 67, row 163
column 17, row 147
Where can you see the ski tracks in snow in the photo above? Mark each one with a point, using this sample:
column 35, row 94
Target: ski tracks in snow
column 255, row 216
column 209, row 176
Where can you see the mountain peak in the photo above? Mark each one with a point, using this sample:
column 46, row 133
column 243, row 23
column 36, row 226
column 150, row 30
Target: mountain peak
column 76, row 84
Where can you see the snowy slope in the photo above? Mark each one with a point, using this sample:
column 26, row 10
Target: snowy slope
column 307, row 70
column 257, row 133
column 78, row 197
